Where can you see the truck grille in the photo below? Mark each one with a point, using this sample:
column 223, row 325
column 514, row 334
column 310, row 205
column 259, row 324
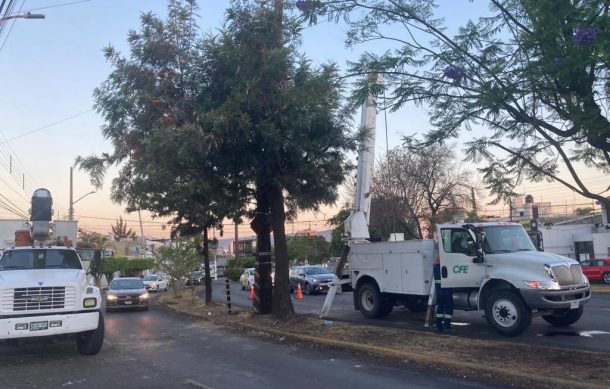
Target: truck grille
column 37, row 298
column 568, row 275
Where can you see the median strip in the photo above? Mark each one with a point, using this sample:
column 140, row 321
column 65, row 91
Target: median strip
column 486, row 361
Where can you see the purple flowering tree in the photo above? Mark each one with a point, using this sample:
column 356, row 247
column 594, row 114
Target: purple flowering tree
column 533, row 77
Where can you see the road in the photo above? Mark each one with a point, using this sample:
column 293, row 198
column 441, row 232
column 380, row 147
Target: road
column 591, row 332
column 158, row 349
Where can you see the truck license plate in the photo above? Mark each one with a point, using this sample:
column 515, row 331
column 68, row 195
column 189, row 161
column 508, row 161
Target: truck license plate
column 574, row 305
column 39, row 325
column 127, row 302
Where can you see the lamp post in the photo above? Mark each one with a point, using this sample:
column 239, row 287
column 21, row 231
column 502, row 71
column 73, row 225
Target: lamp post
column 71, row 209
column 26, row 15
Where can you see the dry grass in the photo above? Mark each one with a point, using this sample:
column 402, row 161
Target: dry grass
column 489, row 361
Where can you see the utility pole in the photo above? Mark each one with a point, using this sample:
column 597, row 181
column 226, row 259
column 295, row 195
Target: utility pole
column 235, row 244
column 474, row 200
column 71, row 209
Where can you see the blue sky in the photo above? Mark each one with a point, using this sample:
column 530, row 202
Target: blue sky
column 50, row 67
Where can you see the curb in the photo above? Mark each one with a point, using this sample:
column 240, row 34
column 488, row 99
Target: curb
column 486, row 373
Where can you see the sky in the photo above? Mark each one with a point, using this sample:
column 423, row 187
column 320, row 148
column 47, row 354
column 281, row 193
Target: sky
column 49, row 69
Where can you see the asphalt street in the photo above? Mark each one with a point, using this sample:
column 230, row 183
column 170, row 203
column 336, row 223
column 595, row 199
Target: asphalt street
column 591, row 332
column 158, row 349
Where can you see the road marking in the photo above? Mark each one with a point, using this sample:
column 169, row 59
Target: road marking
column 453, row 323
column 108, row 342
column 589, row 334
column 196, row 384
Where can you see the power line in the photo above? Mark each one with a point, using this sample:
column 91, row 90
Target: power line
column 46, row 126
column 12, row 25
column 58, row 5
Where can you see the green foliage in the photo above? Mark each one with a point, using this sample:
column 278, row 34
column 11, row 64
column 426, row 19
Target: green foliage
column 313, row 249
column 235, row 268
column 201, row 127
column 120, row 230
column 583, row 211
column 90, row 240
column 178, row 261
column 523, row 75
column 127, row 267
column 337, row 243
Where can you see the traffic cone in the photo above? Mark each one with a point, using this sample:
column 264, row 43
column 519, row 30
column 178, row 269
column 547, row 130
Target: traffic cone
column 252, row 292
column 299, row 292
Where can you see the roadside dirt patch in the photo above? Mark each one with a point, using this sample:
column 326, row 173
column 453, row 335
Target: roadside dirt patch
column 488, row 361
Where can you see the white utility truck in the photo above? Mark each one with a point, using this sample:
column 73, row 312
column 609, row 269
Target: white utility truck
column 492, row 267
column 44, row 292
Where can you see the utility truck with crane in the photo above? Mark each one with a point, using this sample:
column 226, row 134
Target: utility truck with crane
column 493, row 267
column 44, row 294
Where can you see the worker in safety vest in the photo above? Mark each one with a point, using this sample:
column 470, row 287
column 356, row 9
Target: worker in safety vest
column 444, row 301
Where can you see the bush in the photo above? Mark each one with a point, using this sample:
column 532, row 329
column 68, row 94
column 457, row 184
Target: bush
column 233, row 271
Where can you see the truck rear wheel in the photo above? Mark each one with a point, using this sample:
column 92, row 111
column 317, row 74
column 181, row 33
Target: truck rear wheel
column 90, row 342
column 564, row 317
column 506, row 312
column 373, row 304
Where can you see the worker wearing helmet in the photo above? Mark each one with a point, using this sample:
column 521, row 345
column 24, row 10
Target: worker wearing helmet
column 444, row 301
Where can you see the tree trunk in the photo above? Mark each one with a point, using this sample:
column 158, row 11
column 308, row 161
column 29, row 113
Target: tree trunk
column 282, row 303
column 263, row 286
column 206, row 266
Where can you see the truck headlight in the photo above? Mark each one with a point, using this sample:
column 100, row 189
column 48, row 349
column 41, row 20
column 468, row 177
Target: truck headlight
column 90, row 302
column 111, row 297
column 546, row 285
column 144, row 296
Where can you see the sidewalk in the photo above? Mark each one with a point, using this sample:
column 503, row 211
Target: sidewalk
column 493, row 362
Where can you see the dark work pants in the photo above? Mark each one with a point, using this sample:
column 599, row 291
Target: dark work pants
column 444, row 308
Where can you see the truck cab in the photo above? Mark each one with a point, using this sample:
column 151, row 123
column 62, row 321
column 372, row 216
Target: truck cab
column 496, row 268
column 43, row 286
column 44, row 293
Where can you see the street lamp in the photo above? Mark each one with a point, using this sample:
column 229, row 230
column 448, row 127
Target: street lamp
column 27, row 15
column 71, row 211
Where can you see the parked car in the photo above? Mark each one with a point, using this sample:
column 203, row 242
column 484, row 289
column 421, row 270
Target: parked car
column 247, row 278
column 597, row 270
column 126, row 293
column 196, row 278
column 155, row 283
column 166, row 277
column 313, row 279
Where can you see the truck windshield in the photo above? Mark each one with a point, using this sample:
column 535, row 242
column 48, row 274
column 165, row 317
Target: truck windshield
column 39, row 259
column 506, row 239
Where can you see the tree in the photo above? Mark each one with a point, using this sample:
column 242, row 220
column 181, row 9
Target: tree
column 420, row 188
column 158, row 119
column 285, row 121
column 583, row 211
column 337, row 244
column 204, row 128
column 120, row 231
column 90, row 240
column 533, row 75
column 178, row 260
column 313, row 249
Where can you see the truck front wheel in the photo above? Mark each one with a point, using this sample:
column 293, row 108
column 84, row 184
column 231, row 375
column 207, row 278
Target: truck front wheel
column 90, row 342
column 373, row 303
column 564, row 317
column 506, row 312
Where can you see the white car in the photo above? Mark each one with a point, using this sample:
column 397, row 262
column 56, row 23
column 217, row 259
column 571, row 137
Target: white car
column 247, row 278
column 155, row 283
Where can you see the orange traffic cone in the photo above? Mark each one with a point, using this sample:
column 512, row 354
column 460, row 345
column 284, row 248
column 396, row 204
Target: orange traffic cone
column 299, row 292
column 252, row 292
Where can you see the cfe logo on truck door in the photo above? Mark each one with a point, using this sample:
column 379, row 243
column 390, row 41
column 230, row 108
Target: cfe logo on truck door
column 460, row 269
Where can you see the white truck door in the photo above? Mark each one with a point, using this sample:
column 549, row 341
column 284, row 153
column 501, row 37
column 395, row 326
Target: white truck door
column 456, row 257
